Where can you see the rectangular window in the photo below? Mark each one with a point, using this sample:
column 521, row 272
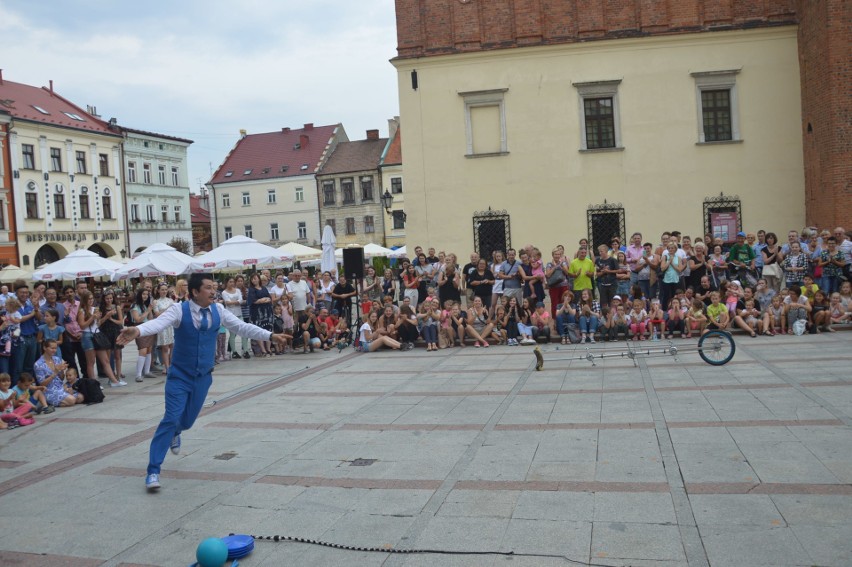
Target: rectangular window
column 134, row 212
column 366, row 188
column 599, row 116
column 29, row 156
column 164, row 213
column 347, row 187
column 333, row 224
column 161, row 174
column 328, row 192
column 106, row 205
column 369, row 227
column 226, row 200
column 59, row 205
column 55, row 159
column 146, row 173
column 81, row 162
column 32, row 205
column 600, row 124
column 246, row 199
column 302, row 229
column 2, row 215
column 273, row 231
column 175, row 179
column 716, row 94
column 131, row 172
column 485, row 122
column 249, row 232
column 398, row 220
column 396, row 185
column 150, row 213
column 103, row 164
column 350, row 225
column 229, row 232
column 84, row 207
column 270, row 197
column 300, row 194
column 177, row 213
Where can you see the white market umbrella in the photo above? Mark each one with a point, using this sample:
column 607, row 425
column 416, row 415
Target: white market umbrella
column 77, row 264
column 119, row 259
column 157, row 260
column 375, row 251
column 329, row 262
column 11, row 273
column 238, row 252
column 300, row 251
column 399, row 253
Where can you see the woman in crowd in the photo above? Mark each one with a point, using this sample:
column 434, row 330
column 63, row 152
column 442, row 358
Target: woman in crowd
column 622, row 276
column 718, row 266
column 526, row 330
column 556, row 274
column 49, row 372
column 386, row 324
column 411, row 281
column 278, row 291
column 479, row 323
column 590, row 313
column 324, row 290
column 181, row 291
column 232, row 299
column 795, row 266
column 141, row 311
column 87, row 318
column 110, row 323
column 372, row 285
column 820, row 312
column 246, row 315
column 672, row 266
column 772, row 258
column 449, row 283
column 482, row 283
column 429, row 317
column 166, row 337
column 407, row 327
column 497, row 287
column 697, row 263
column 389, row 285
column 260, row 310
column 370, row 340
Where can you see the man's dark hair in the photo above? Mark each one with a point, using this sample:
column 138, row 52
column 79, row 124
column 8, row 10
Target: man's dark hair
column 19, row 284
column 196, row 281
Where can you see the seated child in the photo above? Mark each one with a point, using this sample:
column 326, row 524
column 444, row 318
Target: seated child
column 675, row 321
column 71, row 385
column 837, row 312
column 11, row 414
column 717, row 314
column 366, row 305
column 751, row 316
column 607, row 314
column 619, row 324
column 809, row 288
column 26, row 390
column 498, row 331
column 638, row 319
column 696, row 320
column 541, row 321
column 657, row 320
column 775, row 311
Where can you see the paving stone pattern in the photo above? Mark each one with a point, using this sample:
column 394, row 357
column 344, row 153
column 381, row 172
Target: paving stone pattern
column 668, row 463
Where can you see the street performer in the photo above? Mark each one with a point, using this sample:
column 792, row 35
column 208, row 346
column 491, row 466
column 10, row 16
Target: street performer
column 196, row 324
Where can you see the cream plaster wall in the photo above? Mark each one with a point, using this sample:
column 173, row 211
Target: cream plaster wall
column 661, row 176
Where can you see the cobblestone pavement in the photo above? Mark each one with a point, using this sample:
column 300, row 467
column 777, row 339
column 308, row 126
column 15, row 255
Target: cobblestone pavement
column 669, row 463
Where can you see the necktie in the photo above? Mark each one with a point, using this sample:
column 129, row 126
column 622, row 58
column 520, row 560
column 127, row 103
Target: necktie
column 205, row 323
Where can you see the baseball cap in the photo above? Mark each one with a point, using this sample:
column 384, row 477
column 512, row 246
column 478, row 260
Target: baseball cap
column 740, row 233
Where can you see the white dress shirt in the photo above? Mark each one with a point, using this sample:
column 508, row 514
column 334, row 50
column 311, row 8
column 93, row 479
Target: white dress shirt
column 174, row 315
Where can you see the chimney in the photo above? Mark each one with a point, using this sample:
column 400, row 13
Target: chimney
column 286, row 129
column 372, row 134
column 1, row 76
column 51, row 87
column 393, row 126
column 309, row 126
column 303, row 140
column 243, row 133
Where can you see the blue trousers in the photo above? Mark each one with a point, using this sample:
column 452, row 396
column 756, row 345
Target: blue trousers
column 184, row 400
column 24, row 357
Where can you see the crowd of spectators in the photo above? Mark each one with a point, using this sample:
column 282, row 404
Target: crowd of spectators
column 637, row 290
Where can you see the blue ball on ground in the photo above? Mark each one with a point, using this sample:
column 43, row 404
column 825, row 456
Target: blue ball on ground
column 212, row 552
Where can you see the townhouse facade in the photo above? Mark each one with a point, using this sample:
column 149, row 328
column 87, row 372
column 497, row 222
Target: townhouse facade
column 8, row 244
column 350, row 188
column 266, row 187
column 392, row 181
column 602, row 120
column 66, row 177
column 199, row 207
column 157, row 188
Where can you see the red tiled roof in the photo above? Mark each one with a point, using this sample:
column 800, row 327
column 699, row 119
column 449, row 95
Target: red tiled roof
column 359, row 155
column 394, row 155
column 20, row 100
column 196, row 211
column 276, row 154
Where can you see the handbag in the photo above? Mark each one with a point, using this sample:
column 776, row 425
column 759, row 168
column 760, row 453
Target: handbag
column 556, row 278
column 101, row 341
column 772, row 270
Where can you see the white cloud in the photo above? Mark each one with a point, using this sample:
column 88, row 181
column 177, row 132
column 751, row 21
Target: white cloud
column 260, row 65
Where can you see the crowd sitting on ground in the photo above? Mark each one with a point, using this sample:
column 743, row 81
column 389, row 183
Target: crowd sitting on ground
column 633, row 291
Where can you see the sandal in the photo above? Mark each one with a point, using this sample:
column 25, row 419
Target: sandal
column 564, row 341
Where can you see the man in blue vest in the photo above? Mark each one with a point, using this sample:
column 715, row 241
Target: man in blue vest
column 196, row 324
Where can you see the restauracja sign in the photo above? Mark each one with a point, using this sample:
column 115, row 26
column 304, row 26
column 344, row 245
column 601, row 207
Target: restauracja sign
column 73, row 236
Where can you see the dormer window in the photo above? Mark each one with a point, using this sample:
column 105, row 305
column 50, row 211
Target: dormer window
column 266, row 170
column 40, row 109
column 247, row 172
column 229, row 173
column 73, row 116
column 304, row 167
column 284, row 168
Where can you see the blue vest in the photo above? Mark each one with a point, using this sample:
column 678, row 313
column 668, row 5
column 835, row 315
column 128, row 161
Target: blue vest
column 195, row 350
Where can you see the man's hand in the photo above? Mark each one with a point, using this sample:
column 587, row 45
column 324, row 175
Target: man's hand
column 127, row 334
column 280, row 339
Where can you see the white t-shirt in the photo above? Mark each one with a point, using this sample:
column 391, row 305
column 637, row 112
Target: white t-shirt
column 237, row 310
column 300, row 292
column 365, row 328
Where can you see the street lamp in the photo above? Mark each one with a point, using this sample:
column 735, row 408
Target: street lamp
column 387, row 203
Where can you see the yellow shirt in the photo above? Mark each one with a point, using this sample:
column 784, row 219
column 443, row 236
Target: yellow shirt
column 714, row 312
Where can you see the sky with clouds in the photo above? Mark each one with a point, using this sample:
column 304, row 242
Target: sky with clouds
column 204, row 69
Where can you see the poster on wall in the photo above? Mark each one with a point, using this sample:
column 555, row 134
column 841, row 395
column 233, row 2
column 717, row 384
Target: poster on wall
column 724, row 225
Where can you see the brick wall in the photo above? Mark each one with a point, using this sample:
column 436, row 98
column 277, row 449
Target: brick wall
column 825, row 62
column 438, row 27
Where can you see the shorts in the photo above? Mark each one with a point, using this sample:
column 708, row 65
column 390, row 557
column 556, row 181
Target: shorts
column 86, row 341
column 364, row 346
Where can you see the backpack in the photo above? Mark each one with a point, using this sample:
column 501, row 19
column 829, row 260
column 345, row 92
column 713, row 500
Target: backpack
column 91, row 390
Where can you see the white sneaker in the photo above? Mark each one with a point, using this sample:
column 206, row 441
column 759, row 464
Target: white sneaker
column 148, row 375
column 139, row 379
